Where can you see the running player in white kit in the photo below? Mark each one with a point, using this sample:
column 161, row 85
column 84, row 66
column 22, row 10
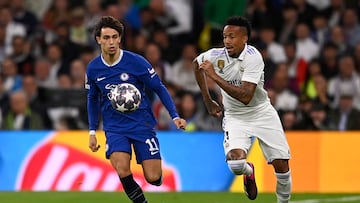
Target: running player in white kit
column 238, row 69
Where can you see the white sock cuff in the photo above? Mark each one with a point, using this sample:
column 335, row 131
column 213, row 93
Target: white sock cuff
column 237, row 166
column 283, row 175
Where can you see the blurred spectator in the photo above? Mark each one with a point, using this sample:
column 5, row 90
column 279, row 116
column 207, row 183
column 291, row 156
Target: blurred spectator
column 288, row 120
column 153, row 55
column 77, row 74
column 297, row 67
column 43, row 75
column 163, row 13
column 334, row 12
column 314, row 69
column 285, row 99
column 78, row 31
column 12, row 28
column 275, row 50
column 345, row 116
column 148, row 23
column 306, row 47
column 183, row 74
column 346, row 81
column 182, row 13
column 270, row 66
column 12, row 80
column 20, row 116
column 57, row 64
column 338, row 39
column 306, row 12
column 87, row 54
column 59, row 11
column 320, row 118
column 38, row 7
column 131, row 13
column 170, row 49
column 24, row 16
column 351, row 26
column 329, row 60
column 61, row 36
column 187, row 110
column 322, row 95
column 140, row 43
column 2, row 43
column 4, row 98
column 357, row 57
column 321, row 31
column 262, row 14
column 289, row 20
column 92, row 14
column 64, row 81
column 303, row 118
column 22, row 55
column 320, row 5
column 36, row 100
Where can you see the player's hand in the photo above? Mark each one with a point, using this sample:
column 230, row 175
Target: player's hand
column 208, row 68
column 214, row 108
column 180, row 123
column 93, row 143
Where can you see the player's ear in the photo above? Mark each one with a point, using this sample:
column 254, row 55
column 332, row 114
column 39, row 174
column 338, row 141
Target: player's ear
column 245, row 39
column 98, row 40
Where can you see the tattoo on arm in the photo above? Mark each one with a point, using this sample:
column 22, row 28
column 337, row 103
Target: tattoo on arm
column 243, row 93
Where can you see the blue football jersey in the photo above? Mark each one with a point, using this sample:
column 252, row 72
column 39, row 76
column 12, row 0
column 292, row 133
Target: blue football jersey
column 129, row 68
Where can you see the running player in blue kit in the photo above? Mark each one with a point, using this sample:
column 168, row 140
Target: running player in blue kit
column 123, row 130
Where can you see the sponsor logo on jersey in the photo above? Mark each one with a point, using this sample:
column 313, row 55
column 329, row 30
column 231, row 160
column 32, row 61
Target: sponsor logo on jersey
column 100, row 79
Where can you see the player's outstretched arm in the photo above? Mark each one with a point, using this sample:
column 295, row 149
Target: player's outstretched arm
column 243, row 93
column 212, row 106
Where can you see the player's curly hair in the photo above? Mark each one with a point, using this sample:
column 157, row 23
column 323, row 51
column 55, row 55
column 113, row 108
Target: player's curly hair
column 241, row 22
column 108, row 22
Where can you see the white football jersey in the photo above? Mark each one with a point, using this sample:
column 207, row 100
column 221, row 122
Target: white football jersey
column 249, row 66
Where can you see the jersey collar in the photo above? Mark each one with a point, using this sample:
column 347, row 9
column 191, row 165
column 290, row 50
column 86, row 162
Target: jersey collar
column 116, row 62
column 242, row 55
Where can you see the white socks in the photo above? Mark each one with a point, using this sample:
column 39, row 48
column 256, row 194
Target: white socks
column 283, row 187
column 239, row 167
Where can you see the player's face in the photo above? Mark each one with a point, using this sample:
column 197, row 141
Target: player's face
column 109, row 41
column 234, row 40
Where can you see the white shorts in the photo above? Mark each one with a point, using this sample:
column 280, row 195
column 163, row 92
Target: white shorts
column 238, row 133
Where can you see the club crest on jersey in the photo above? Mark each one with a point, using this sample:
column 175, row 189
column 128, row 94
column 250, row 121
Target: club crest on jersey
column 124, row 76
column 221, row 65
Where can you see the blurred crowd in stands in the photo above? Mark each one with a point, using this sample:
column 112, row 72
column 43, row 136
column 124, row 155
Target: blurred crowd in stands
column 311, row 50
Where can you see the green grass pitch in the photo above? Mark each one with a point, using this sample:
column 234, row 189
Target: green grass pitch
column 167, row 197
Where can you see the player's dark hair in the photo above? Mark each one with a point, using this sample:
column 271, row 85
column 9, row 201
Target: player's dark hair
column 241, row 22
column 108, row 22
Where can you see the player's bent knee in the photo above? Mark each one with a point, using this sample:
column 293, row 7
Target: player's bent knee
column 156, row 182
column 237, row 166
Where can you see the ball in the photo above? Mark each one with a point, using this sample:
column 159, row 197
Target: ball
column 125, row 97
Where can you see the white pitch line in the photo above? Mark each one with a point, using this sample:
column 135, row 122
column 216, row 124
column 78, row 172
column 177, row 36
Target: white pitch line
column 339, row 199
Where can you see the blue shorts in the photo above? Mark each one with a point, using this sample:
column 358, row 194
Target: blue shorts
column 146, row 145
